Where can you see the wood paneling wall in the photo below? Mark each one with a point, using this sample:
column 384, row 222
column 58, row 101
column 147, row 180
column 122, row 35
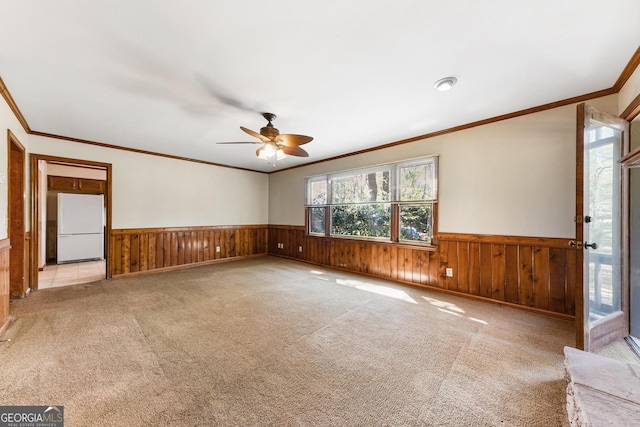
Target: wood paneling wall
column 136, row 251
column 405, row 263
column 537, row 273
column 533, row 273
column 4, row 283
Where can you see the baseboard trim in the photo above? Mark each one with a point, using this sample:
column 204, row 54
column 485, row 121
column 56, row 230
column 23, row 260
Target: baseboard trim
column 444, row 291
column 5, row 325
column 183, row 266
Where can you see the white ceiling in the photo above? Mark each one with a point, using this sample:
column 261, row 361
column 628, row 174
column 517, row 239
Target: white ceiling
column 177, row 77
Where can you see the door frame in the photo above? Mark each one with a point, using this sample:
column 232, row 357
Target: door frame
column 16, row 197
column 35, row 208
column 630, row 160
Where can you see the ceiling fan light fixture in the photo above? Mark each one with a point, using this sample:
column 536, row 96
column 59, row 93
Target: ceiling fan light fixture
column 270, row 152
column 275, row 146
column 261, row 154
column 445, row 83
column 268, row 149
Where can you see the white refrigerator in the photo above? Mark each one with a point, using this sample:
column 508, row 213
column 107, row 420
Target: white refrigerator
column 80, row 227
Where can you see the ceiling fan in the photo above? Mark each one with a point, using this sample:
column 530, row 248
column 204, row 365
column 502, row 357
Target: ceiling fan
column 275, row 146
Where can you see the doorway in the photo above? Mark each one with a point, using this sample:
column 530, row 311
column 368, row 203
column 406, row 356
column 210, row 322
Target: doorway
column 77, row 179
column 602, row 299
column 18, row 283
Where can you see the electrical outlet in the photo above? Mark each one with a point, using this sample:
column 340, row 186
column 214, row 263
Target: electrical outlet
column 299, row 248
column 280, row 245
column 217, row 248
column 449, row 272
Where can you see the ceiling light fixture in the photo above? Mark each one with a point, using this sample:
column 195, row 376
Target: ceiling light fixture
column 445, row 83
column 271, row 152
column 275, row 146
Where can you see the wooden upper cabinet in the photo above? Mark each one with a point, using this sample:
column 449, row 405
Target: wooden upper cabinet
column 62, row 183
column 75, row 185
column 90, row 185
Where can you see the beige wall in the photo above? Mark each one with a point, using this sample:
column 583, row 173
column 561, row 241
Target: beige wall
column 76, row 172
column 153, row 191
column 513, row 177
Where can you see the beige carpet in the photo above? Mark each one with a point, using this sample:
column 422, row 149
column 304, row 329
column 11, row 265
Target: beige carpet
column 273, row 342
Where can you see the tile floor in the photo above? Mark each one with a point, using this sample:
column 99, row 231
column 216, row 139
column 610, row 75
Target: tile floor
column 54, row 275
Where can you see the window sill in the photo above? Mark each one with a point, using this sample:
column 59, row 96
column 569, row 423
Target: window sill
column 401, row 244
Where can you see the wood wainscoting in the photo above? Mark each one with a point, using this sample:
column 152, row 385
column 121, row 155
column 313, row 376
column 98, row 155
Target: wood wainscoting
column 143, row 250
column 4, row 284
column 536, row 274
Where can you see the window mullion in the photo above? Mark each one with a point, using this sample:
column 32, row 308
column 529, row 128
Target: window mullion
column 395, row 222
column 327, row 220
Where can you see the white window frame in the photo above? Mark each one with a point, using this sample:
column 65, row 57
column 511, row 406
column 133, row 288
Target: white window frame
column 395, row 201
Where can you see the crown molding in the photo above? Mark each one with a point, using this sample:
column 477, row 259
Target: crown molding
column 626, row 73
column 13, row 106
column 629, row 113
column 135, row 150
column 544, row 107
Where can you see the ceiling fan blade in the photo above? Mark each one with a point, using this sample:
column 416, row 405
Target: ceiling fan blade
column 295, row 151
column 240, row 142
column 292, row 140
column 219, row 94
column 255, row 134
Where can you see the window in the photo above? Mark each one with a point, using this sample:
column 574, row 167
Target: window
column 417, row 190
column 395, row 201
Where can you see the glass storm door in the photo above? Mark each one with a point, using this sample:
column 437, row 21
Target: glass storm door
column 603, row 315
